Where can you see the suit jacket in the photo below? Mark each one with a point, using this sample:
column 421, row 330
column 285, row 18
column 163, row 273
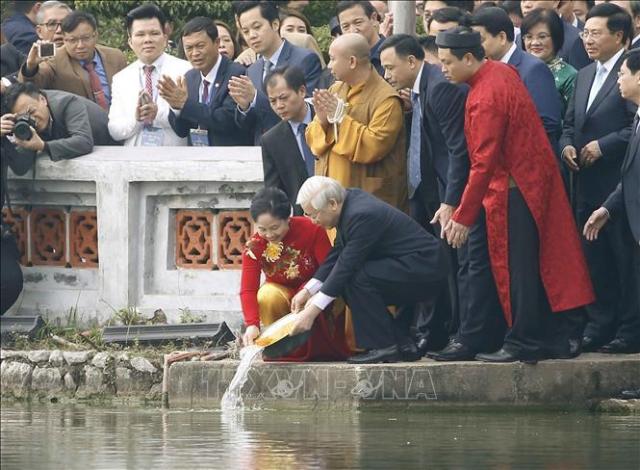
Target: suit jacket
column 635, row 44
column 261, row 117
column 444, row 157
column 283, row 164
column 61, row 72
column 542, row 87
column 77, row 125
column 609, row 122
column 10, row 61
column 20, row 31
column 626, row 197
column 572, row 50
column 219, row 116
column 126, row 87
column 382, row 240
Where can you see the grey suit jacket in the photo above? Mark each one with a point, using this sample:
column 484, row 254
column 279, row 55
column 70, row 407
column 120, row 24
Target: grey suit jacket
column 77, row 125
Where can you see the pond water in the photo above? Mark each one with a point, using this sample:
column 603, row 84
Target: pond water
column 86, row 437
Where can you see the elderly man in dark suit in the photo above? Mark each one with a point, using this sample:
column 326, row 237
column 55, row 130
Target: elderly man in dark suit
column 438, row 163
column 496, row 29
column 624, row 202
column 381, row 257
column 286, row 157
column 260, row 23
column 202, row 108
column 596, row 133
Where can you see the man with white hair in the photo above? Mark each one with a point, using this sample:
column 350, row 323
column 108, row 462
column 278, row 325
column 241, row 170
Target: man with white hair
column 381, row 257
column 49, row 21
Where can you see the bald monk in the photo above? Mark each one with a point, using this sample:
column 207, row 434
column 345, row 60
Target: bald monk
column 368, row 151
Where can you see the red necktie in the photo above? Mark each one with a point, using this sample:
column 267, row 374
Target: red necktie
column 96, row 86
column 205, row 92
column 148, row 83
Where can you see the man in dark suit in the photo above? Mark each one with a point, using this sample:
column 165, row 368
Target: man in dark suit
column 624, row 203
column 201, row 107
column 496, row 29
column 20, row 28
column 286, row 157
column 438, row 163
column 381, row 257
column 596, row 133
column 260, row 24
column 572, row 50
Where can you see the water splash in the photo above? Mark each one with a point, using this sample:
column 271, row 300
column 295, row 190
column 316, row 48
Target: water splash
column 232, row 398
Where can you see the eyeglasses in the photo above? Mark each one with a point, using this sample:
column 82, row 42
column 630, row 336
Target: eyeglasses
column 539, row 37
column 84, row 39
column 52, row 25
column 594, row 34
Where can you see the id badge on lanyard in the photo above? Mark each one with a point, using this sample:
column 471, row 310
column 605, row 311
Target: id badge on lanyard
column 199, row 137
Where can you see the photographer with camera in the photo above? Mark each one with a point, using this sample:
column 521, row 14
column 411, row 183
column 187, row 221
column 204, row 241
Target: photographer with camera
column 54, row 123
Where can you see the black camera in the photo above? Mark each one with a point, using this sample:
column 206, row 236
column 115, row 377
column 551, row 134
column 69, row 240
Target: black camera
column 23, row 125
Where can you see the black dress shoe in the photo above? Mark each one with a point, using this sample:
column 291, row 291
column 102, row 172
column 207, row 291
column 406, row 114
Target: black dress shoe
column 375, row 356
column 620, row 346
column 504, row 355
column 575, row 348
column 409, row 352
column 630, row 394
column 589, row 344
column 454, row 351
column 572, row 348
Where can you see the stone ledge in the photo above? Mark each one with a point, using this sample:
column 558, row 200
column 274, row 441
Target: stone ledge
column 79, row 375
column 576, row 383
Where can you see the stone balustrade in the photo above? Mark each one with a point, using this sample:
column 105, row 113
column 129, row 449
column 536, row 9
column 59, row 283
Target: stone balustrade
column 146, row 227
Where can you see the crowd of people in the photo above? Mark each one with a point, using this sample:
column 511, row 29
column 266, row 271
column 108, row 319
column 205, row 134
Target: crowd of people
column 479, row 185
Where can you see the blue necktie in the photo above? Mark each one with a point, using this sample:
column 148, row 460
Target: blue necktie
column 309, row 159
column 413, row 165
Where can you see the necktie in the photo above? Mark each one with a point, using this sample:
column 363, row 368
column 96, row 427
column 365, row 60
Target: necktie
column 148, row 82
column 96, row 86
column 413, row 167
column 309, row 159
column 205, row 92
column 267, row 68
column 598, row 81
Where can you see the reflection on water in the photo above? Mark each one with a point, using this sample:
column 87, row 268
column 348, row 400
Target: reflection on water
column 41, row 436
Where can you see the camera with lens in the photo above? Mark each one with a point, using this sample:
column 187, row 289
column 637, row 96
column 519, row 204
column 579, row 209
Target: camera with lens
column 23, row 125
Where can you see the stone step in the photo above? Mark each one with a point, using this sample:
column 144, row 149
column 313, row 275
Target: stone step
column 575, row 383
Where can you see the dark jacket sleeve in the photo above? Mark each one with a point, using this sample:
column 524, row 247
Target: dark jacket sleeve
column 80, row 138
column 312, row 71
column 615, row 202
column 614, row 145
column 448, row 105
column 542, row 88
column 19, row 160
column 568, row 131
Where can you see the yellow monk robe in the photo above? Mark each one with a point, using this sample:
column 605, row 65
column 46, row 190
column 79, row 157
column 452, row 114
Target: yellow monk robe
column 370, row 153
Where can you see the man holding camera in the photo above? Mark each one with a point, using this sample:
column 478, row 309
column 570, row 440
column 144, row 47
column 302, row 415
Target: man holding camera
column 82, row 66
column 54, row 123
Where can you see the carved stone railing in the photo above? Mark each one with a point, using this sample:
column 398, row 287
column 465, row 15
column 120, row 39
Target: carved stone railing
column 145, row 227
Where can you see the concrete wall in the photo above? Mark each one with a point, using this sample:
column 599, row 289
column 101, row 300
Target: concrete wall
column 136, row 195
